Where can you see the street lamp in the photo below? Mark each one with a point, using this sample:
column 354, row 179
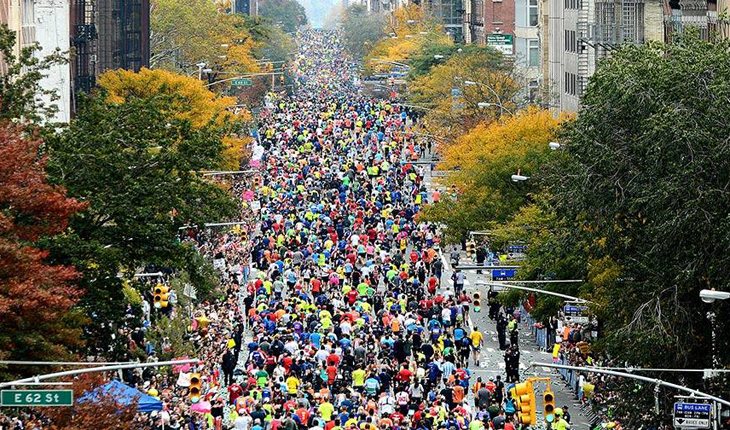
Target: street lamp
column 438, row 57
column 483, row 105
column 519, row 178
column 554, row 145
column 201, row 66
column 489, row 87
column 709, row 296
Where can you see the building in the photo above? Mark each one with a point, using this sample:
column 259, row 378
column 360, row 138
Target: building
column 45, row 22
column 108, row 35
column 246, row 7
column 580, row 33
column 474, row 31
column 451, row 13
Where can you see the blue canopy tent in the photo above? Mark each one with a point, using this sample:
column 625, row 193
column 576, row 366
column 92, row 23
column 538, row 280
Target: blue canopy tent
column 124, row 395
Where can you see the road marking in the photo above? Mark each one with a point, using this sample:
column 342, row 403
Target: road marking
column 444, row 261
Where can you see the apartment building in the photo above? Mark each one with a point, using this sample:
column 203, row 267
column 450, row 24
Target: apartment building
column 108, row 35
column 580, row 33
column 45, row 22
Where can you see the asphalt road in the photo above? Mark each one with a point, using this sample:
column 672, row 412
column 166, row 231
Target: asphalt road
column 492, row 359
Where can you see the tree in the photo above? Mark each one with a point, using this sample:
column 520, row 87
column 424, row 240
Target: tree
column 184, row 34
column 639, row 189
column 20, row 89
column 271, row 42
column 361, row 30
column 33, row 208
column 189, row 101
column 136, row 165
column 288, row 14
column 482, row 163
column 452, row 106
column 408, row 31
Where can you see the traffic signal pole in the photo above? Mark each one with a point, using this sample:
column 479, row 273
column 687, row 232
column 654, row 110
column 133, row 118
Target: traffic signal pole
column 655, row 381
column 54, row 375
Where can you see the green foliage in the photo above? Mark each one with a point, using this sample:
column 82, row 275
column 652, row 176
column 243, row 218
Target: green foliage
column 20, row 87
column 288, row 14
column 644, row 176
column 270, row 40
column 172, row 333
column 135, row 165
column 361, row 30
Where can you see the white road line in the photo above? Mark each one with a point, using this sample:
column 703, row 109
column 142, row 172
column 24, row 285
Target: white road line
column 444, row 261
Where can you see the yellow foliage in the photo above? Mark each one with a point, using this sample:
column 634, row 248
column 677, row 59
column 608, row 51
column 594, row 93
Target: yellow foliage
column 190, row 101
column 528, row 131
column 193, row 101
column 495, row 84
column 408, row 31
column 185, row 33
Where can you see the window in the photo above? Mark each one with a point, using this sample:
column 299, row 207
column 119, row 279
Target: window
column 532, row 13
column 571, row 84
column 570, row 42
column 533, row 53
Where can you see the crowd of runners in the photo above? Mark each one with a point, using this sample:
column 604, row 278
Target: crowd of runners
column 336, row 315
column 352, row 326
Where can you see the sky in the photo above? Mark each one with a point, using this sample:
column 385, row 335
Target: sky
column 318, row 10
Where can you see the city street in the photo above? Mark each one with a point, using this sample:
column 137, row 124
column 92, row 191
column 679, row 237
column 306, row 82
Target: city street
column 271, row 215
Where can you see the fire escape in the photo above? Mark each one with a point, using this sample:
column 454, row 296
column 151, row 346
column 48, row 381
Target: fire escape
column 84, row 44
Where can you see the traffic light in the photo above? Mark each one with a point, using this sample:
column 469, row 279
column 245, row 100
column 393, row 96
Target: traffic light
column 477, row 302
column 548, row 406
column 470, row 248
column 524, row 397
column 196, row 387
column 161, row 295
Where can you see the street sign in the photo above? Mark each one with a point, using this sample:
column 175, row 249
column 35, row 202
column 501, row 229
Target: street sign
column 503, row 275
column 692, row 415
column 16, row 398
column 242, row 82
column 501, row 42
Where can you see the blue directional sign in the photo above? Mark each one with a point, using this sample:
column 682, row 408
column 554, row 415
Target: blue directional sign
column 693, row 407
column 692, row 415
column 503, row 274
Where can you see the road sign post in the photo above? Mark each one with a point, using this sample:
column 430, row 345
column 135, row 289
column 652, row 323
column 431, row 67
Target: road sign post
column 18, row 398
column 241, row 82
column 692, row 415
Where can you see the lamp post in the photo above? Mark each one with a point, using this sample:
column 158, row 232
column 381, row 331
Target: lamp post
column 496, row 96
column 710, row 296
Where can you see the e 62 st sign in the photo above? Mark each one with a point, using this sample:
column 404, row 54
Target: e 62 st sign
column 15, row 398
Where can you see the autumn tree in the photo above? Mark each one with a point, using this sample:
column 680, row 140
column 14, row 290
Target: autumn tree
column 189, row 101
column 475, row 85
column 407, row 32
column 481, row 163
column 31, row 209
column 184, row 34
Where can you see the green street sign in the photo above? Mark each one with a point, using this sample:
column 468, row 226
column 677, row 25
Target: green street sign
column 242, row 82
column 13, row 398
